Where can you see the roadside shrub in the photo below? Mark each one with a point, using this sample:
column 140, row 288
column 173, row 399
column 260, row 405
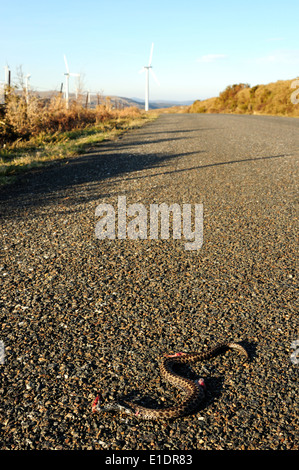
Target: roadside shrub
column 27, row 117
column 230, row 93
column 272, row 99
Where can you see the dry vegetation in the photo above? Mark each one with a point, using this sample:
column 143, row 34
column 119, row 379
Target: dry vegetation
column 34, row 132
column 271, row 99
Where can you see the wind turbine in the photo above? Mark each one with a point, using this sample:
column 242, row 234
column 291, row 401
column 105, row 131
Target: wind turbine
column 148, row 68
column 27, row 87
column 68, row 74
column 7, row 75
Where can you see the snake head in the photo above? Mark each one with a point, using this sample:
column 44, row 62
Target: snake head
column 96, row 404
column 178, row 354
column 201, row 382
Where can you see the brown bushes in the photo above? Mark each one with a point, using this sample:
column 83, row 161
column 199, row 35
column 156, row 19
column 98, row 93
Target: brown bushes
column 26, row 118
column 229, row 97
column 271, row 99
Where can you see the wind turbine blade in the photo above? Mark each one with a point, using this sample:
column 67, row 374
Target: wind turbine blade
column 151, row 55
column 142, row 70
column 75, row 74
column 154, row 76
column 66, row 64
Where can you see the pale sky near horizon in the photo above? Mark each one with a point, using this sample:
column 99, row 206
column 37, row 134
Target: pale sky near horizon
column 200, row 47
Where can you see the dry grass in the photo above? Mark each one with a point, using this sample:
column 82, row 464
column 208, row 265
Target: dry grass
column 24, row 120
column 271, row 99
column 36, row 132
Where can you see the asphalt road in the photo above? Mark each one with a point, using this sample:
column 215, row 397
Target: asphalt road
column 80, row 314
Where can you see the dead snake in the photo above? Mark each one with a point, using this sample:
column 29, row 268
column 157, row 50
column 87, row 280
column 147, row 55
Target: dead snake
column 194, row 389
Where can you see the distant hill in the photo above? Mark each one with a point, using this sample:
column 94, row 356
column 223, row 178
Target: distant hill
column 273, row 98
column 163, row 103
column 114, row 101
column 139, row 103
column 94, row 100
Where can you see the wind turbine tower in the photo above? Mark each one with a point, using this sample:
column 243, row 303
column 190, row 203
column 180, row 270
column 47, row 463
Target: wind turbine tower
column 68, row 74
column 148, row 68
column 7, row 75
column 27, row 87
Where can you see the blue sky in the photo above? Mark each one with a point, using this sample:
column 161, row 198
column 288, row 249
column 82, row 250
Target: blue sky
column 200, row 46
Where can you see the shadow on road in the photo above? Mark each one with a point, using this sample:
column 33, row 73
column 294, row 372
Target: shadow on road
column 179, row 170
column 78, row 179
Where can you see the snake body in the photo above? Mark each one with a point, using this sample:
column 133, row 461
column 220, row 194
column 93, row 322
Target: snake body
column 195, row 390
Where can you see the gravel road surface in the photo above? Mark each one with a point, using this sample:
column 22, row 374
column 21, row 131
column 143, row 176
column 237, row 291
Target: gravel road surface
column 81, row 315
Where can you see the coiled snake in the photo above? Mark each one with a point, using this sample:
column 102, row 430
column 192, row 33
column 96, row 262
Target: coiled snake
column 195, row 390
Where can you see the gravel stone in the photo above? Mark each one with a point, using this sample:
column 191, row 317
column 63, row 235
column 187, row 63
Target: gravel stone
column 81, row 315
